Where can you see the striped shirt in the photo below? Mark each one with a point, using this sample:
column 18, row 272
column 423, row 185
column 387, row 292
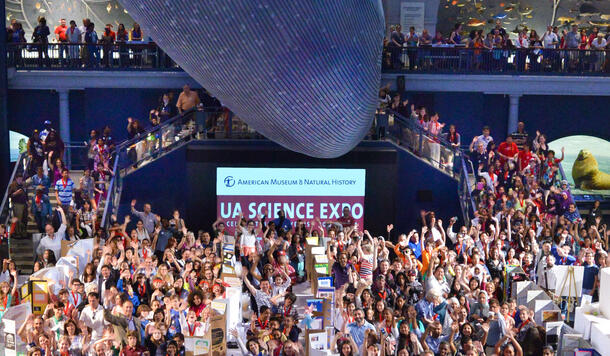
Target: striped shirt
column 64, row 190
column 366, row 266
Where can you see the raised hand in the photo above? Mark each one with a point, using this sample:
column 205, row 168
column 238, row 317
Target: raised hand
column 133, row 203
column 389, row 227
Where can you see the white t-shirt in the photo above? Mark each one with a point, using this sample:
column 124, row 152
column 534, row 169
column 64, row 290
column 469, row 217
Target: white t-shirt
column 53, row 244
column 548, row 39
column 247, row 239
column 94, row 320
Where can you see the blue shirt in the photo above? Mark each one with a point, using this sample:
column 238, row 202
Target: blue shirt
column 45, row 181
column 162, row 240
column 434, row 343
column 64, row 192
column 416, row 248
column 588, row 277
column 357, row 332
column 425, row 309
column 286, row 224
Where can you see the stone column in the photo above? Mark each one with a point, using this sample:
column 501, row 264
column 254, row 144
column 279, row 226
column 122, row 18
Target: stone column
column 513, row 113
column 64, row 120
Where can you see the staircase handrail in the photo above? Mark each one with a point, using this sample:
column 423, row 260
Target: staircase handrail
column 110, row 196
column 13, row 174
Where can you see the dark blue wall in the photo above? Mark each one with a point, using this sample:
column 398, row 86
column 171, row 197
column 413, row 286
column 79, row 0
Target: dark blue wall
column 415, row 176
column 468, row 111
column 557, row 116
column 560, row 116
column 28, row 109
column 89, row 109
column 162, row 183
column 113, row 107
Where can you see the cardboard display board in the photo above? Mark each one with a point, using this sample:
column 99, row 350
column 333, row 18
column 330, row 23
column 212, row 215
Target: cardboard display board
column 604, row 291
column 36, row 292
column 315, row 340
column 12, row 319
column 196, row 346
column 218, row 335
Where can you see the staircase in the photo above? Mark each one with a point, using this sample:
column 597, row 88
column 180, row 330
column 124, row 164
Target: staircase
column 408, row 136
column 129, row 156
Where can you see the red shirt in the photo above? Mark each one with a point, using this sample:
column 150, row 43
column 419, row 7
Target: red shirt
column 133, row 351
column 61, row 31
column 525, row 158
column 509, row 150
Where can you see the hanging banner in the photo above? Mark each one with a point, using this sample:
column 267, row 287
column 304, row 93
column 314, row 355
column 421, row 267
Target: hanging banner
column 412, row 14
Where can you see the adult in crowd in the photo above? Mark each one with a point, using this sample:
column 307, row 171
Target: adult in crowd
column 187, row 99
column 40, row 37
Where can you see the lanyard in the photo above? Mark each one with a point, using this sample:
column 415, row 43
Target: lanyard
column 192, row 331
column 76, row 298
column 263, row 326
column 142, row 289
column 64, row 183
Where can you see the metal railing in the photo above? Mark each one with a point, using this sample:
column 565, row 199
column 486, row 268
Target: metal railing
column 147, row 146
column 81, row 56
column 5, row 207
column 447, row 59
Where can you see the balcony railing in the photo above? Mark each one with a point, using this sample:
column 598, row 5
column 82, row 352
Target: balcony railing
column 447, row 59
column 81, row 56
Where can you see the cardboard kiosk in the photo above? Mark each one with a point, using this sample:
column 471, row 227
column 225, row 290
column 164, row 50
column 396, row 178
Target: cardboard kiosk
column 592, row 321
column 36, row 294
column 12, row 320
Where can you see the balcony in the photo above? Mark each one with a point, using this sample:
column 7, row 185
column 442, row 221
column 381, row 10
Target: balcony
column 76, row 66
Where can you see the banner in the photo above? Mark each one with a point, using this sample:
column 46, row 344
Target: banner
column 412, row 14
column 302, row 193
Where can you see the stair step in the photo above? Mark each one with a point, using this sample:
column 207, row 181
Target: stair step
column 22, row 249
column 21, row 242
column 24, row 263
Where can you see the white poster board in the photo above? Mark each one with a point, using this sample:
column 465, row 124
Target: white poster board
column 412, row 14
column 12, row 321
column 568, row 284
column 604, row 291
column 317, row 340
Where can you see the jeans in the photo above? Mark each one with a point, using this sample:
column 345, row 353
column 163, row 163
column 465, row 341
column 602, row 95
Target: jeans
column 63, row 49
column 93, row 55
column 43, row 50
column 41, row 220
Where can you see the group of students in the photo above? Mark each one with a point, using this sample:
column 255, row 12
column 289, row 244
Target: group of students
column 70, row 35
column 493, row 50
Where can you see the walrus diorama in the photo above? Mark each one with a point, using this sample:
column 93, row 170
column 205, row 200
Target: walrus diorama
column 586, row 173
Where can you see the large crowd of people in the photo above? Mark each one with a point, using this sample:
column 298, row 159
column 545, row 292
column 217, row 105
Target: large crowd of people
column 437, row 289
column 575, row 49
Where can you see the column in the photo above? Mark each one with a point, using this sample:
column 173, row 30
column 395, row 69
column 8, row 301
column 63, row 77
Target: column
column 4, row 139
column 64, row 120
column 513, row 113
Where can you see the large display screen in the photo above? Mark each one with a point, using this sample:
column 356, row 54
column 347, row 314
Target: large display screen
column 302, row 193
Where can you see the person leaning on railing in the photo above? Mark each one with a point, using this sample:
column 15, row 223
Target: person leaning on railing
column 73, row 35
column 15, row 36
